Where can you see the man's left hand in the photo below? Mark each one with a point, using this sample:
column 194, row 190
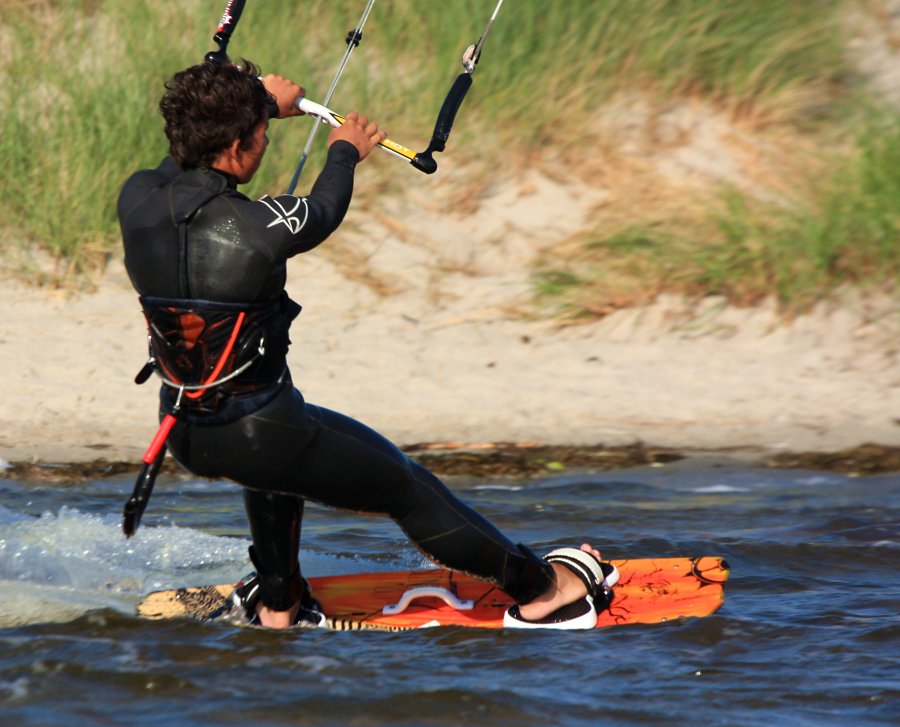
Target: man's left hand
column 286, row 93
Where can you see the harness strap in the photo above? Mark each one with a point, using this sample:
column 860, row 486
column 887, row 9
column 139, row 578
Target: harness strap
column 200, row 388
column 220, row 364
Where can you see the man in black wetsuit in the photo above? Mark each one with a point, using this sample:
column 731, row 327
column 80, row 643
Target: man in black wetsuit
column 209, row 265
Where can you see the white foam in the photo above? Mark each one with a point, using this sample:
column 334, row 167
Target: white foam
column 505, row 488
column 885, row 544
column 60, row 565
column 11, row 691
column 718, row 489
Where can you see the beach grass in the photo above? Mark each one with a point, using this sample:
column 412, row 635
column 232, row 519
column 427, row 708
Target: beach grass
column 79, row 84
column 845, row 231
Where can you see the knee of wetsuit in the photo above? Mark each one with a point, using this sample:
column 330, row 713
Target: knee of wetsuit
column 276, row 590
column 528, row 577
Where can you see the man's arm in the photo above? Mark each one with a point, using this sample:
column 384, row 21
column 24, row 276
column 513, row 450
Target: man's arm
column 297, row 224
column 293, row 225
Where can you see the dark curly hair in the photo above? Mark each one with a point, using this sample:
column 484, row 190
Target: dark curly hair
column 206, row 107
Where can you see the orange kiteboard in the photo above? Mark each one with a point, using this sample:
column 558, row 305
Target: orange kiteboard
column 650, row 590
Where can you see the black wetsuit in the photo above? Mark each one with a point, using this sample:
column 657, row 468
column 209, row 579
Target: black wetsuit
column 192, row 240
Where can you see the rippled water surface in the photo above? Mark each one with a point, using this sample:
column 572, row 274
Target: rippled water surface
column 809, row 633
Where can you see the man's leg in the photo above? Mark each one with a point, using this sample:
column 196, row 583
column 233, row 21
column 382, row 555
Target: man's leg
column 350, row 466
column 275, row 521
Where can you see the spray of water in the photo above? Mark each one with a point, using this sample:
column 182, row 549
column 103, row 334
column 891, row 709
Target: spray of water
column 59, row 565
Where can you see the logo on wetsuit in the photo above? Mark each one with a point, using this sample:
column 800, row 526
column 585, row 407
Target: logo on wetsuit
column 285, row 217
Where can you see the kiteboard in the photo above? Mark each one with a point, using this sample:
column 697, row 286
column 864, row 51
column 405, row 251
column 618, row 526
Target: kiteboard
column 650, row 590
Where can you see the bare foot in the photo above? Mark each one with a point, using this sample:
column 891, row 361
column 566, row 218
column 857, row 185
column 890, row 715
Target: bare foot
column 568, row 588
column 277, row 619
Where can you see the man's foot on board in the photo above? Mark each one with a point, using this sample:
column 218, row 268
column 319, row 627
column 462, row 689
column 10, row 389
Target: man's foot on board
column 306, row 612
column 582, row 587
column 272, row 619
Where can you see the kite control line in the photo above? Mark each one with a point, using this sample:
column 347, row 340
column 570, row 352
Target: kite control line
column 353, row 39
column 423, row 161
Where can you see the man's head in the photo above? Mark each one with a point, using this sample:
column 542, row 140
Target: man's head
column 210, row 106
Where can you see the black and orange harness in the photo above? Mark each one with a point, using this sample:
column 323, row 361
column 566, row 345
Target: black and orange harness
column 206, row 352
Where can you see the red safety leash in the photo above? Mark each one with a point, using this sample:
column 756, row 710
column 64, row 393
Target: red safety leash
column 143, row 487
column 156, row 452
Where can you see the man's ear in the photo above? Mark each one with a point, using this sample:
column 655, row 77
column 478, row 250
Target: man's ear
column 228, row 160
column 234, row 149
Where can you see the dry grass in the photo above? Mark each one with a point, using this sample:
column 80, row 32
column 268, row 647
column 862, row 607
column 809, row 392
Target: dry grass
column 694, row 204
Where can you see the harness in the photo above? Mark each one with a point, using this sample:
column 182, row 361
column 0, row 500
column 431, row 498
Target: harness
column 207, row 351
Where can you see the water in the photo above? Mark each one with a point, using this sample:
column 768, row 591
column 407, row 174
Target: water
column 809, row 633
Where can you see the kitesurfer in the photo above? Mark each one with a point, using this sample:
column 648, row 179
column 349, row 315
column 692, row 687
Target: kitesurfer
column 209, row 265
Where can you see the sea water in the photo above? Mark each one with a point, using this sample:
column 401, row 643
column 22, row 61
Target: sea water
column 809, row 633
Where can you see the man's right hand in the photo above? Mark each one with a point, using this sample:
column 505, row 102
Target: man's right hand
column 359, row 131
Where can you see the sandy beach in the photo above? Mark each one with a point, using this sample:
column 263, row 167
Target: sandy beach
column 433, row 339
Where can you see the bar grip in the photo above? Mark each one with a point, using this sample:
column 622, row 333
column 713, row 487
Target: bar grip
column 424, row 161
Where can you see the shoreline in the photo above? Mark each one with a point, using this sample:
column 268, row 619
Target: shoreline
column 507, row 459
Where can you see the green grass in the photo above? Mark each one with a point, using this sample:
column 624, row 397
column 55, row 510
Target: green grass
column 847, row 233
column 79, row 84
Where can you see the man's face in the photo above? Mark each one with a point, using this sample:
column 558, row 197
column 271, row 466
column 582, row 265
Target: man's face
column 249, row 159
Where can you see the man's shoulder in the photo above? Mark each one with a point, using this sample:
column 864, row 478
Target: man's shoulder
column 144, row 182
column 162, row 174
column 181, row 192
